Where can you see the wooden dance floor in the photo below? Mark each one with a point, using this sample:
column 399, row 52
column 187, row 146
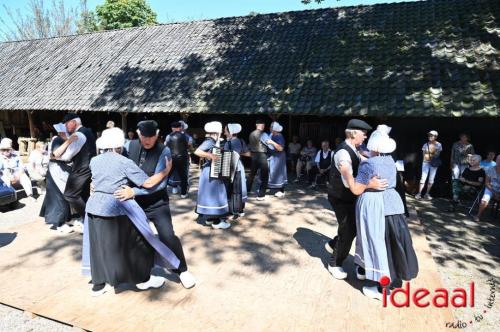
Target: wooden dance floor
column 267, row 273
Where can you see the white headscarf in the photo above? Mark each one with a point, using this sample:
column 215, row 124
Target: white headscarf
column 380, row 141
column 234, row 128
column 111, row 138
column 213, row 127
column 275, row 126
column 184, row 125
column 60, row 128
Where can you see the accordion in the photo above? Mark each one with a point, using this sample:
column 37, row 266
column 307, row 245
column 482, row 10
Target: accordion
column 225, row 166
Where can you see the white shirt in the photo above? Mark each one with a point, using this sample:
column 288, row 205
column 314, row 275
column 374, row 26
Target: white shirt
column 342, row 157
column 74, row 147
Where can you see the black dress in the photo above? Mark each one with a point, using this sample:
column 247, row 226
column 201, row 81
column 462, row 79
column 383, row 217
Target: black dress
column 118, row 252
column 55, row 209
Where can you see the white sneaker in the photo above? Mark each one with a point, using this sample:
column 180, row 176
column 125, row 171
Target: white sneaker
column 279, row 194
column 222, row 225
column 175, row 190
column 184, row 196
column 242, row 214
column 296, row 180
column 187, row 279
column 261, row 198
column 427, row 196
column 30, row 200
column 337, row 272
column 359, row 275
column 418, row 196
column 65, row 229
column 209, row 222
column 101, row 291
column 372, row 292
column 153, row 282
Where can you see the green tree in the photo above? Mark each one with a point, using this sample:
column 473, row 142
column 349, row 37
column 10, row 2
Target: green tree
column 119, row 14
column 87, row 21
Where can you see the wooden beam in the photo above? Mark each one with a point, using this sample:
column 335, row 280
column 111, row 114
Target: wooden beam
column 124, row 121
column 31, row 124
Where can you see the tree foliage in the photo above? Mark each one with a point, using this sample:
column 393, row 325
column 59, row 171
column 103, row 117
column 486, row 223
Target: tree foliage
column 119, row 14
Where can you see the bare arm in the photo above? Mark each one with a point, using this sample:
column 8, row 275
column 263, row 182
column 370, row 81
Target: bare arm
column 205, row 154
column 61, row 149
column 158, row 177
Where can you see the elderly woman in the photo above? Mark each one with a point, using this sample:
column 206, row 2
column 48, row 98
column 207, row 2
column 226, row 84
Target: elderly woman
column 119, row 252
column 55, row 209
column 212, row 196
column 237, row 189
column 383, row 241
column 460, row 153
column 12, row 168
column 430, row 163
column 277, row 160
column 470, row 181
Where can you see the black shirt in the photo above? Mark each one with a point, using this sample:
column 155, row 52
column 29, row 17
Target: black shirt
column 475, row 176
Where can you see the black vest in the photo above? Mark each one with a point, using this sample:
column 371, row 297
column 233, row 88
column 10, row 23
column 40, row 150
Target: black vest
column 324, row 163
column 178, row 144
column 254, row 143
column 81, row 160
column 336, row 187
column 148, row 166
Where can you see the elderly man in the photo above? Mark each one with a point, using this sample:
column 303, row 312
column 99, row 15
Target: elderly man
column 178, row 143
column 323, row 163
column 258, row 149
column 77, row 189
column 153, row 157
column 492, row 189
column 12, row 168
column 342, row 200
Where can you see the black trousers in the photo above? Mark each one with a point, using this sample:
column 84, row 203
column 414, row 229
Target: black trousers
column 77, row 191
column 259, row 161
column 345, row 212
column 180, row 165
column 160, row 215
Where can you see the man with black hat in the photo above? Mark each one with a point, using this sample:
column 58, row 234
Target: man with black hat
column 258, row 151
column 77, row 189
column 342, row 200
column 178, row 143
column 153, row 157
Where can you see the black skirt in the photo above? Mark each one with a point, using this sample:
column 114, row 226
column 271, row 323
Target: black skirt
column 235, row 195
column 403, row 263
column 118, row 252
column 55, row 209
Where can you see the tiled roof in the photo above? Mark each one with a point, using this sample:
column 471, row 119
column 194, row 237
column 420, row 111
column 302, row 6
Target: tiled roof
column 427, row 58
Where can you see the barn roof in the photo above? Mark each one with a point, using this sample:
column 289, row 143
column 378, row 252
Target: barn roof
column 427, row 58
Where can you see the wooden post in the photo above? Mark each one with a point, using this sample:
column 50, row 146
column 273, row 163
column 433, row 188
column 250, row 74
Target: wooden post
column 124, row 121
column 31, row 124
column 185, row 117
column 290, row 128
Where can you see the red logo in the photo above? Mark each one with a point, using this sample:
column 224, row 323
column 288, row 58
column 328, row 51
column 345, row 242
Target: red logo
column 423, row 297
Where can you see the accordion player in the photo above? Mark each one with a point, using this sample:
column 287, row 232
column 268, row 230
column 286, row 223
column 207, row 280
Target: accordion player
column 226, row 164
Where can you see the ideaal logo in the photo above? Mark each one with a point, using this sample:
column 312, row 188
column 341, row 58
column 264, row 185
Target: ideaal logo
column 439, row 298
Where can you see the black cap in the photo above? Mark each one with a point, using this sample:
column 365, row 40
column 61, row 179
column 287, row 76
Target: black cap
column 358, row 124
column 176, row 124
column 260, row 121
column 148, row 128
column 69, row 117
